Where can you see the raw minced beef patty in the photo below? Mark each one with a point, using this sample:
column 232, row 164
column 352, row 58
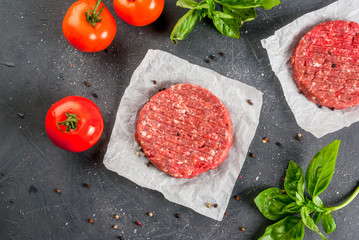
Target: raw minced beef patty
column 185, row 130
column 326, row 64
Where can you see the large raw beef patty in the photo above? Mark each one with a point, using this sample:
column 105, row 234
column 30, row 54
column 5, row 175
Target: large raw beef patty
column 185, row 130
column 326, row 64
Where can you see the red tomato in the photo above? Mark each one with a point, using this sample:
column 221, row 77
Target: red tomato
column 92, row 35
column 139, row 12
column 74, row 123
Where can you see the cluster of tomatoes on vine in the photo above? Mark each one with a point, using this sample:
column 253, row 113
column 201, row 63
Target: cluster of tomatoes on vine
column 90, row 27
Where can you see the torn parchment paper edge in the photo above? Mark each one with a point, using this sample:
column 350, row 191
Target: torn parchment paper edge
column 214, row 186
column 318, row 121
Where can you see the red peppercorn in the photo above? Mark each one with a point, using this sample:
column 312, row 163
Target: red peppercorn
column 138, row 223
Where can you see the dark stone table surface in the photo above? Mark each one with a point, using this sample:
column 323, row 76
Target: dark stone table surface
column 46, row 68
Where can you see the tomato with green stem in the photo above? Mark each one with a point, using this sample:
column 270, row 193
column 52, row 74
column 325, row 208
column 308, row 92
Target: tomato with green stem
column 74, row 123
column 89, row 26
column 139, row 12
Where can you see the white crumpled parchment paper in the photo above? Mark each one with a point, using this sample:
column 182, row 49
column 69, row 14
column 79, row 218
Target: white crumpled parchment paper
column 214, row 186
column 318, row 121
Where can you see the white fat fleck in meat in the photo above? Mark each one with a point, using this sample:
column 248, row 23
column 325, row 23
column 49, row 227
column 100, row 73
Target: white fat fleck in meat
column 175, row 121
column 143, row 133
column 316, row 64
column 201, row 158
column 179, row 162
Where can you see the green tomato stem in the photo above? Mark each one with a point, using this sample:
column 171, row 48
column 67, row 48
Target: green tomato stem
column 344, row 204
column 92, row 17
column 70, row 123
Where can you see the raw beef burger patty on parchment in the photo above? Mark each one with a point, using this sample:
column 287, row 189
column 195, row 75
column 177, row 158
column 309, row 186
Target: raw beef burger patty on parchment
column 185, row 131
column 326, row 64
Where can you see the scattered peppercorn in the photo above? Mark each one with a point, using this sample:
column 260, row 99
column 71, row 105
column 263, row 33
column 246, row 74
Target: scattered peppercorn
column 222, row 54
column 120, row 237
column 58, row 191
column 161, row 89
column 106, row 50
column 207, row 61
column 252, row 155
column 283, row 191
column 21, row 115
column 208, row 205
column 154, row 82
column 320, row 106
column 114, row 226
column 90, row 220
column 138, row 223
column 240, row 176
column 225, row 213
column 298, row 136
column 139, row 148
column 236, row 197
column 116, row 216
column 243, row 229
column 213, row 57
column 87, row 84
column 215, row 205
column 150, row 214
column 278, row 144
column 300, row 92
column 95, row 95
column 138, row 153
column 334, row 65
column 249, row 102
column 178, row 134
column 144, row 154
column 178, row 215
column 86, row 185
column 332, row 109
column 265, row 139
column 148, row 164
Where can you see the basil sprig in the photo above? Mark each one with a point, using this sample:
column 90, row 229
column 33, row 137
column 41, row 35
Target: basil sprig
column 282, row 207
column 228, row 21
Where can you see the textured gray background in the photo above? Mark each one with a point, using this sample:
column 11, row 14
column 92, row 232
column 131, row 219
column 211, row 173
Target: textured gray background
column 31, row 38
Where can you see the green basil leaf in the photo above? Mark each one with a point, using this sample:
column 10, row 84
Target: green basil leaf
column 226, row 24
column 291, row 208
column 317, row 217
column 314, row 207
column 308, row 221
column 203, row 13
column 299, row 199
column 266, row 4
column 191, row 4
column 211, row 5
column 294, row 180
column 328, row 223
column 242, row 15
column 184, row 26
column 271, row 203
column 317, row 201
column 290, row 228
column 321, row 169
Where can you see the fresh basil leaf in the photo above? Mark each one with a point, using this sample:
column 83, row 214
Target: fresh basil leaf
column 291, row 208
column 289, row 228
column 266, row 4
column 242, row 15
column 299, row 199
column 271, row 202
column 203, row 13
column 308, row 221
column 191, row 4
column 294, row 180
column 314, row 207
column 317, row 217
column 225, row 24
column 211, row 5
column 184, row 25
column 317, row 201
column 328, row 223
column 321, row 169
